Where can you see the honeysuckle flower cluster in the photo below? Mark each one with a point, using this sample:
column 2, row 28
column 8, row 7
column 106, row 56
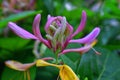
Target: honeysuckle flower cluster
column 59, row 33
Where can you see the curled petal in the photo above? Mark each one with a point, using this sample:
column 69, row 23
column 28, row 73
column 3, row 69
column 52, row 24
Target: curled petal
column 82, row 24
column 70, row 28
column 42, row 63
column 20, row 32
column 79, row 50
column 89, row 38
column 18, row 66
column 83, row 49
column 50, row 20
column 66, row 73
column 36, row 30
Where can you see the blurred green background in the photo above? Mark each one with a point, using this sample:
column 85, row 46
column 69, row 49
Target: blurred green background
column 100, row 13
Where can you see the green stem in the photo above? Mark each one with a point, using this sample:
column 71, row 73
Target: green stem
column 56, row 58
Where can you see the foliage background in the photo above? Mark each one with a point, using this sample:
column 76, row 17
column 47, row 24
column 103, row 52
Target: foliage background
column 102, row 13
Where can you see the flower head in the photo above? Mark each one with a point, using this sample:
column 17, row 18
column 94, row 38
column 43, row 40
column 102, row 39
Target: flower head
column 59, row 33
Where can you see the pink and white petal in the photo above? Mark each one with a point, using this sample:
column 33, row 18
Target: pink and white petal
column 70, row 28
column 79, row 50
column 18, row 66
column 82, row 24
column 49, row 16
column 89, row 38
column 20, row 31
column 36, row 30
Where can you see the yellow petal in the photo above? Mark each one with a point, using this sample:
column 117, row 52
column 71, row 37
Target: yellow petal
column 18, row 66
column 66, row 73
column 40, row 63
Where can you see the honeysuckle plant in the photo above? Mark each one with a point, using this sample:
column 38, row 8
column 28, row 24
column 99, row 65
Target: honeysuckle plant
column 59, row 33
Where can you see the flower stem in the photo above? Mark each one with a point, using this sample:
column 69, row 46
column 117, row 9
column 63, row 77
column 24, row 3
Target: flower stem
column 56, row 55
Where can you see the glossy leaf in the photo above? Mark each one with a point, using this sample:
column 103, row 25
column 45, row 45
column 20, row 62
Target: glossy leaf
column 18, row 16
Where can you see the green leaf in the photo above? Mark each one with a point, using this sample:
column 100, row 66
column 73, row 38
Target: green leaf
column 4, row 55
column 107, row 34
column 100, row 67
column 49, row 5
column 111, row 68
column 12, row 43
column 112, row 46
column 47, row 73
column 18, row 16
